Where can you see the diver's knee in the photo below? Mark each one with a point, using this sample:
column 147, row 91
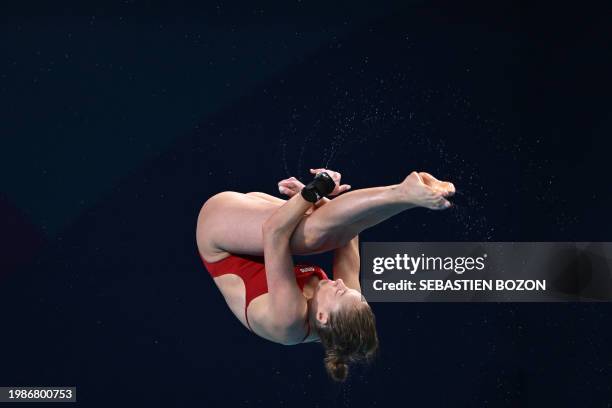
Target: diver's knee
column 323, row 239
column 313, row 239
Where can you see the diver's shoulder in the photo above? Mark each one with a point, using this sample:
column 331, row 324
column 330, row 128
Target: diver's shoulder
column 266, row 324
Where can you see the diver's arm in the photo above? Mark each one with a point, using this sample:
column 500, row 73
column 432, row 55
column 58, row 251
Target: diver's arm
column 346, row 263
column 318, row 204
column 286, row 305
column 285, row 301
column 291, row 186
column 285, row 218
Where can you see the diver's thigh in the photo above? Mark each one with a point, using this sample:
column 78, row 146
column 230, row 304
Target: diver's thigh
column 231, row 222
column 267, row 197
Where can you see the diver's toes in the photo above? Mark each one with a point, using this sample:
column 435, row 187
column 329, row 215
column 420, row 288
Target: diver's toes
column 450, row 187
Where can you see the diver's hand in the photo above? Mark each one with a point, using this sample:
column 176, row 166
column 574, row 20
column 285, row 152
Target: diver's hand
column 290, row 186
column 340, row 188
column 424, row 190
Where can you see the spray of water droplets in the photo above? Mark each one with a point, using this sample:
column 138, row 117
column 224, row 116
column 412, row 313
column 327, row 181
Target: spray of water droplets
column 394, row 113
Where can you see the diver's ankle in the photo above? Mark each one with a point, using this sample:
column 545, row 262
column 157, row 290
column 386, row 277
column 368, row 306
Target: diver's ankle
column 401, row 194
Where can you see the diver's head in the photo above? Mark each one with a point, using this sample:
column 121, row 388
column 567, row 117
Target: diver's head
column 346, row 326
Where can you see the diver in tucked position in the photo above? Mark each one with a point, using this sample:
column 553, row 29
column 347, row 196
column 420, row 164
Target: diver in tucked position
column 246, row 242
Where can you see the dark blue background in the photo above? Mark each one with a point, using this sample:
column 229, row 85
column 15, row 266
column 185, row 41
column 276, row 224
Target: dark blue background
column 119, row 120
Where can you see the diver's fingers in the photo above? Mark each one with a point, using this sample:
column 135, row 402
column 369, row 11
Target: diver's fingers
column 290, row 185
column 335, row 175
column 284, row 189
column 343, row 188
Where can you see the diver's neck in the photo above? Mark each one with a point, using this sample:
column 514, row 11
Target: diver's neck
column 308, row 291
column 310, row 287
column 312, row 321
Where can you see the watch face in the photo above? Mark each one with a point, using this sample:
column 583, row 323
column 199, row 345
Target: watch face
column 310, row 194
column 325, row 183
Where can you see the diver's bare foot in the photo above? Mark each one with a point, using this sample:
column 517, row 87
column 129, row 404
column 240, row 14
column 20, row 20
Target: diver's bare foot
column 424, row 190
column 447, row 189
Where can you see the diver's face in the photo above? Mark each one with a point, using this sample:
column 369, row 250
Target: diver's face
column 333, row 295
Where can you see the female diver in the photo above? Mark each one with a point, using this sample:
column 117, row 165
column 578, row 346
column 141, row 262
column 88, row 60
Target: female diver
column 246, row 242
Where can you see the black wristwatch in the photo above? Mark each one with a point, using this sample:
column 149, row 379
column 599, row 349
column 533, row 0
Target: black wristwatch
column 318, row 188
column 309, row 193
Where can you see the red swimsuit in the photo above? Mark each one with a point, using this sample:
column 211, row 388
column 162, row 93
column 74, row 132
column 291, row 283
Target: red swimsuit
column 252, row 271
